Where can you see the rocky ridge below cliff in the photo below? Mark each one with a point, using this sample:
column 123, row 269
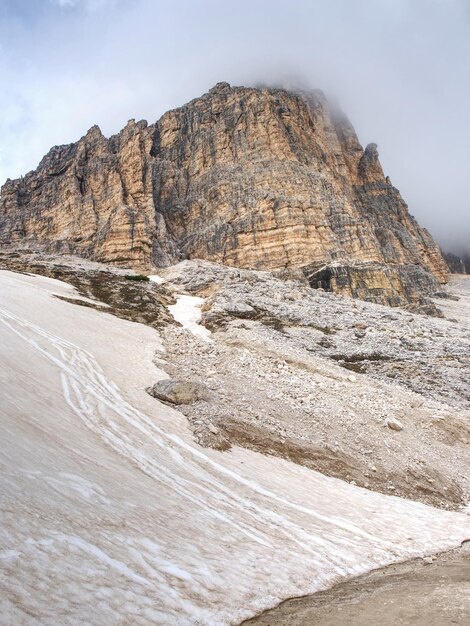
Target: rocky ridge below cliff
column 253, row 178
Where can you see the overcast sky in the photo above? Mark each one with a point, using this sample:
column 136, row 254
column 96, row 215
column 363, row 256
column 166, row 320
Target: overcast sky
column 399, row 68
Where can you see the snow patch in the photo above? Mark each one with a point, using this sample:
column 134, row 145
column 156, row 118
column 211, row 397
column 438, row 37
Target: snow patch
column 9, row 554
column 187, row 311
column 155, row 278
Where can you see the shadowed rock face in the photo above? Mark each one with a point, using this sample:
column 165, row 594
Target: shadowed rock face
column 455, row 264
column 254, row 178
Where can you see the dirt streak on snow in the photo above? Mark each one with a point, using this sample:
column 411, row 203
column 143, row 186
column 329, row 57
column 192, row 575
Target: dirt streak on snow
column 110, row 511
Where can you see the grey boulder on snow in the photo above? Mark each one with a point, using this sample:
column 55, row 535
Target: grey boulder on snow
column 178, row 391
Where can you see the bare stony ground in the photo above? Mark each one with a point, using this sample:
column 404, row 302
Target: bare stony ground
column 369, row 394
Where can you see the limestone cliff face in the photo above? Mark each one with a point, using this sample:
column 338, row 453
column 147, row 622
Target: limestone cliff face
column 253, row 178
column 93, row 198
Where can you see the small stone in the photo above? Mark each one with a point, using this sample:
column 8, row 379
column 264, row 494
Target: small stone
column 178, row 391
column 428, row 560
column 394, row 424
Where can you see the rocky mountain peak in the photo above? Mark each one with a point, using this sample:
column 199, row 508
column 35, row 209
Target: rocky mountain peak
column 369, row 168
column 253, row 178
column 220, row 87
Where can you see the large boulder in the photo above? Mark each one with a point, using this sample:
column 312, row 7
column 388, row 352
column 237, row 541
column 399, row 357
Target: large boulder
column 178, row 391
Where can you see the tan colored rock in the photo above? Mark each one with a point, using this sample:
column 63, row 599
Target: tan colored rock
column 254, row 178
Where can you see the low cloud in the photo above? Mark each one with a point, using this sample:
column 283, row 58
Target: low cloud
column 65, row 3
column 86, row 5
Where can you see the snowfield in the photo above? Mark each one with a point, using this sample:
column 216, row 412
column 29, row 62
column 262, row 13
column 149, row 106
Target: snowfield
column 111, row 514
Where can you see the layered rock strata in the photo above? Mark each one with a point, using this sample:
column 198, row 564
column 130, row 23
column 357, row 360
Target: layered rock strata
column 254, row 178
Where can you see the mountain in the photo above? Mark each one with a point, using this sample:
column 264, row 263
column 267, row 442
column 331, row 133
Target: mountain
column 252, row 178
column 198, row 444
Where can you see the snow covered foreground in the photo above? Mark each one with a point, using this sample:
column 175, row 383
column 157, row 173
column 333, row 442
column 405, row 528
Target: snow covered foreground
column 110, row 514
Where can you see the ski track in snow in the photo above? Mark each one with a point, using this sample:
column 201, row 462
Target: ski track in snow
column 261, row 539
column 85, row 388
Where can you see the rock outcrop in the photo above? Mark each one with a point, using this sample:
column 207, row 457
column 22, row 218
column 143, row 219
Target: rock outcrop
column 377, row 282
column 253, row 178
column 455, row 263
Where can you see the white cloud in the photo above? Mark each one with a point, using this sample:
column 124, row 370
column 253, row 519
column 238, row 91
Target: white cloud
column 66, row 3
column 90, row 6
